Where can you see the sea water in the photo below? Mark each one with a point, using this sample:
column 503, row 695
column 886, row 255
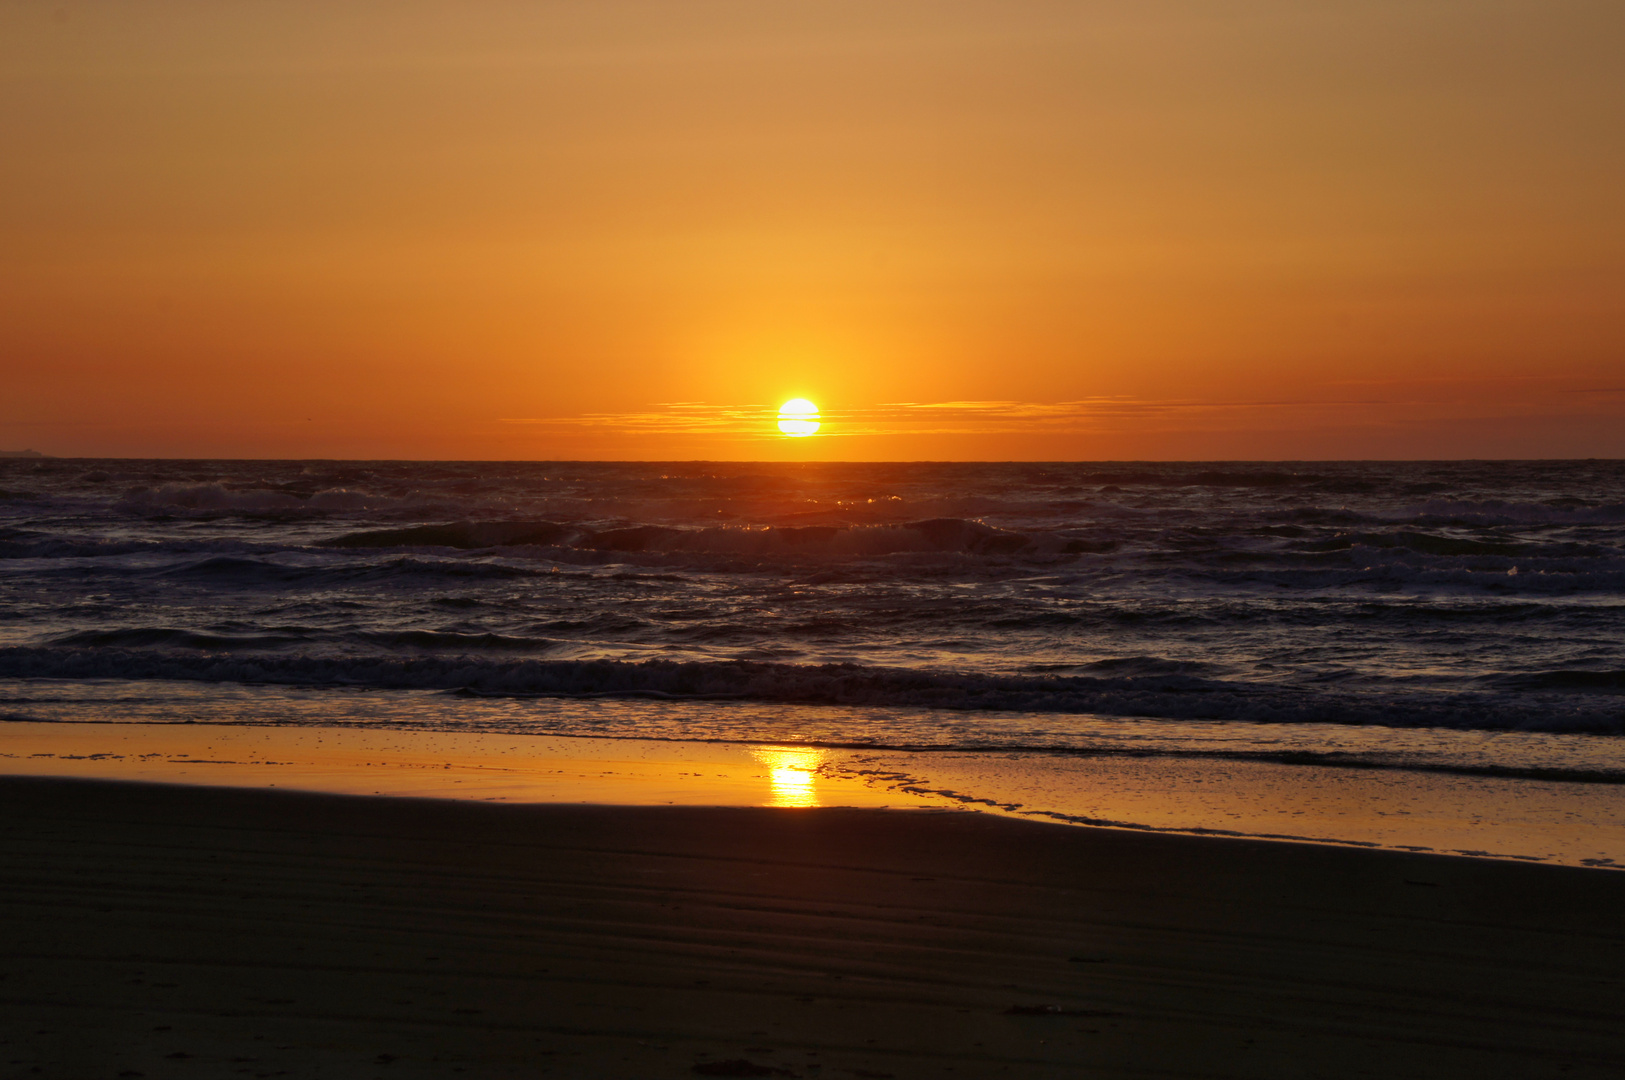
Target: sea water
column 1418, row 619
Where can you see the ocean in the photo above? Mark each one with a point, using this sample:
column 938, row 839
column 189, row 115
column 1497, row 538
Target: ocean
column 1405, row 621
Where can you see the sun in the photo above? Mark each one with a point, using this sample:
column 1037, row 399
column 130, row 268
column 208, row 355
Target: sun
column 798, row 418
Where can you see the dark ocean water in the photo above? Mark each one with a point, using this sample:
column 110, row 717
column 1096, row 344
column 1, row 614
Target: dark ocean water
column 1460, row 615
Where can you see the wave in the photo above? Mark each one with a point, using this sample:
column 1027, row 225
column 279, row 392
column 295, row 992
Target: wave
column 157, row 637
column 143, row 637
column 294, row 501
column 1238, row 475
column 217, row 499
column 33, row 544
column 954, row 535
column 842, row 555
column 1507, row 577
column 452, row 641
column 1129, row 666
column 1425, row 543
column 1170, row 695
column 239, row 571
column 1593, row 682
column 461, row 534
column 1497, row 513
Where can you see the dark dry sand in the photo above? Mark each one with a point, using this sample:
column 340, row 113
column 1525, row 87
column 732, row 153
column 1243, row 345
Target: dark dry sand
column 202, row 932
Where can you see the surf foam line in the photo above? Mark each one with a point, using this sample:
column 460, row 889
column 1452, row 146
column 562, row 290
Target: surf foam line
column 1166, row 696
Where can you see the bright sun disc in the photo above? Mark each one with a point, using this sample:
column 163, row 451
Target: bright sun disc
column 798, row 418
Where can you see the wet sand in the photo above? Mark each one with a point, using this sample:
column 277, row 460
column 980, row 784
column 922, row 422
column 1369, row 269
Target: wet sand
column 440, row 765
column 176, row 931
column 1576, row 824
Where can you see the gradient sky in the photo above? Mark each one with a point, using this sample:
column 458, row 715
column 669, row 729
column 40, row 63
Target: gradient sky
column 968, row 230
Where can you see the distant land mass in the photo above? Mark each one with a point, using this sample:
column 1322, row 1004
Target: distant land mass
column 21, row 453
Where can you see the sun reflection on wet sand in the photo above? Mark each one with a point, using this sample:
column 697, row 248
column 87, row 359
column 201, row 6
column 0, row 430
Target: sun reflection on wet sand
column 461, row 765
column 1572, row 823
column 792, row 772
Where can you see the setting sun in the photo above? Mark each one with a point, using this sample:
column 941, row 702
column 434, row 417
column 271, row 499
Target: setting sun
column 798, row 418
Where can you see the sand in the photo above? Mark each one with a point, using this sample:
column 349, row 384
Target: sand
column 1578, row 824
column 183, row 931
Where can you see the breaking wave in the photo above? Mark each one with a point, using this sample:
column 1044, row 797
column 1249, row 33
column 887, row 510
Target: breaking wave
column 1155, row 695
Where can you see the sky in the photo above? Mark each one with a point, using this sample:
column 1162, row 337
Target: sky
column 966, row 229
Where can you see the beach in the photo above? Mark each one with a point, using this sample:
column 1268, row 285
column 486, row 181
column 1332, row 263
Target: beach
column 641, row 769
column 170, row 931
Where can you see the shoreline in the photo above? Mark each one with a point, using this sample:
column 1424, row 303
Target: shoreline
column 1551, row 822
column 178, row 931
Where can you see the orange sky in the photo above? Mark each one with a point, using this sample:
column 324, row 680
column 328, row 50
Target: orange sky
column 974, row 230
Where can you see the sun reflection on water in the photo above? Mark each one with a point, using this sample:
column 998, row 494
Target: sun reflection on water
column 792, row 772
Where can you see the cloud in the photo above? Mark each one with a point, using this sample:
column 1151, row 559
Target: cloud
column 758, row 421
column 1097, row 415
